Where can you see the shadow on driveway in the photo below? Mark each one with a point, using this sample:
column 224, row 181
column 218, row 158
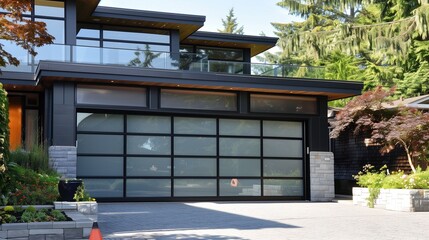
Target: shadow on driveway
column 170, row 220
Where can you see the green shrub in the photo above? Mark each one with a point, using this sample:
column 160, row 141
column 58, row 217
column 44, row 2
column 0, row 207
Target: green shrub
column 28, row 187
column 36, row 158
column 58, row 215
column 9, row 209
column 82, row 195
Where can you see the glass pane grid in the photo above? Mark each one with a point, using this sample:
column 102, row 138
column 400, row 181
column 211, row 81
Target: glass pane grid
column 200, row 167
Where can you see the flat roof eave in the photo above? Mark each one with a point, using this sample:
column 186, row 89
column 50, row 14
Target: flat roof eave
column 57, row 71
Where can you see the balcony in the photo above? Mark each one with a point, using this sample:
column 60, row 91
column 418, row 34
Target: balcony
column 156, row 60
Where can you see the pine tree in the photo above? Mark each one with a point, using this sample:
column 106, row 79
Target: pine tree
column 230, row 24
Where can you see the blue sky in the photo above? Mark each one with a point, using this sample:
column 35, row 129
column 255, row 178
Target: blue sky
column 254, row 15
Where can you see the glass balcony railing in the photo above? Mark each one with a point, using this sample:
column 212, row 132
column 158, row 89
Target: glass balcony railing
column 158, row 60
column 110, row 56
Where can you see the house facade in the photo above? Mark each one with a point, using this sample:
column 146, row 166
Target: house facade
column 144, row 107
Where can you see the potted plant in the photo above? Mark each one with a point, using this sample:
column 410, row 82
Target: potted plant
column 67, row 189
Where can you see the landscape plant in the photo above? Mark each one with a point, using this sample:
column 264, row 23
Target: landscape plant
column 10, row 214
column 388, row 126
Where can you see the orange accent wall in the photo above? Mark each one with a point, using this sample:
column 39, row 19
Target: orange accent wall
column 15, row 122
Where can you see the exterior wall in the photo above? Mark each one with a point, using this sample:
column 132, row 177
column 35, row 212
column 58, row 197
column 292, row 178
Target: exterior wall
column 404, row 200
column 351, row 154
column 321, row 176
column 63, row 159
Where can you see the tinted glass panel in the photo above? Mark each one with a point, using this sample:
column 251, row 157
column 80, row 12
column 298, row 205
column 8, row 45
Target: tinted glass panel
column 282, row 129
column 221, row 53
column 239, row 127
column 104, row 187
column 239, row 147
column 194, row 167
column 103, row 144
column 194, row 126
column 152, row 145
column 100, row 166
column 55, row 28
column 94, row 122
column 111, row 95
column 91, row 43
column 194, row 187
column 202, row 146
column 150, row 48
column 148, row 188
column 203, row 100
column 239, row 167
column 49, row 8
column 282, row 148
column 89, row 33
column 283, row 187
column 148, row 124
column 160, row 37
column 148, row 166
column 283, row 104
column 282, row 168
column 245, row 187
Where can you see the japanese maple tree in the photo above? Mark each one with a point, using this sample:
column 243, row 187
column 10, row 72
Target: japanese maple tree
column 372, row 112
column 22, row 31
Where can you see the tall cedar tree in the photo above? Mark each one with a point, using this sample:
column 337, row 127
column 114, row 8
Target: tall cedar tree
column 230, row 24
column 22, row 31
column 371, row 112
column 388, row 39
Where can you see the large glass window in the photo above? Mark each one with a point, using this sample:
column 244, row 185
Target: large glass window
column 148, row 145
column 148, row 166
column 100, row 122
column 221, row 53
column 282, row 104
column 111, row 95
column 49, row 8
column 55, row 28
column 156, row 36
column 202, row 100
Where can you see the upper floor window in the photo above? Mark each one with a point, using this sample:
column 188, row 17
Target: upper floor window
column 49, row 8
column 224, row 54
column 143, row 36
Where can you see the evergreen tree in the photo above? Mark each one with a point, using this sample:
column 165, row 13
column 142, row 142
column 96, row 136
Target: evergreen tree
column 230, row 24
column 387, row 39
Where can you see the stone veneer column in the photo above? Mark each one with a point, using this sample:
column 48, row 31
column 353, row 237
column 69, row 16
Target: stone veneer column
column 63, row 159
column 322, row 186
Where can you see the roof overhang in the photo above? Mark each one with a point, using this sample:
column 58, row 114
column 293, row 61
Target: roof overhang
column 89, row 12
column 256, row 44
column 57, row 71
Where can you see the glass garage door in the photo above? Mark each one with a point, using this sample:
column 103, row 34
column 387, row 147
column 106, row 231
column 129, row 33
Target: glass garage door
column 141, row 156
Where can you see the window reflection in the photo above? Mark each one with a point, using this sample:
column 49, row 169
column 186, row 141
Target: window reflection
column 49, row 8
column 55, row 28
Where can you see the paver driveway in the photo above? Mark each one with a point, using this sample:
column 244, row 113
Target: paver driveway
column 257, row 220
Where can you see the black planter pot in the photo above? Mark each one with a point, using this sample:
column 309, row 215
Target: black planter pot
column 67, row 189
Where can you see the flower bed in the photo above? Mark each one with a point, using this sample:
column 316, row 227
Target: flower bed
column 10, row 214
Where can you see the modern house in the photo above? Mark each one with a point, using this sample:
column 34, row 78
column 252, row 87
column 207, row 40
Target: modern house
column 144, row 107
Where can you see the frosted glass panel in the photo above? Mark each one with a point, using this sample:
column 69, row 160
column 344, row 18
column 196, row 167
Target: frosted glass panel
column 239, row 147
column 104, row 187
column 194, row 126
column 100, row 166
column 282, row 148
column 194, row 187
column 195, row 167
column 151, row 145
column 148, row 124
column 281, row 187
column 240, row 167
column 148, row 166
column 282, row 129
column 245, row 187
column 111, row 95
column 239, row 127
column 93, row 122
column 202, row 100
column 200, row 146
column 283, row 168
column 283, row 104
column 104, row 144
column 148, row 188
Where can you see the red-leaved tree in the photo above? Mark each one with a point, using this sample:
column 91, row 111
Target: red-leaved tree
column 22, row 31
column 400, row 126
